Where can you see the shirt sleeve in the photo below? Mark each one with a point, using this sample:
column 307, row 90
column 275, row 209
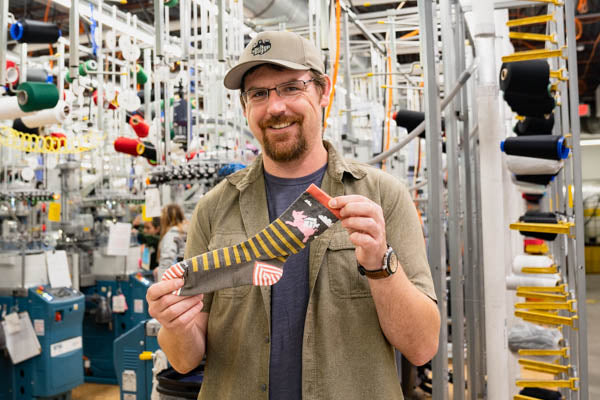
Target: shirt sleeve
column 405, row 234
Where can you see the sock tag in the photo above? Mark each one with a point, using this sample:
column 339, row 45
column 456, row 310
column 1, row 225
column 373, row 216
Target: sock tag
column 266, row 274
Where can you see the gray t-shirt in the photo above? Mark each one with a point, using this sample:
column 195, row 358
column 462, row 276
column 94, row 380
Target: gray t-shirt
column 289, row 296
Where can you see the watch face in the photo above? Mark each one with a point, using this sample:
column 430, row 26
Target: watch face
column 393, row 262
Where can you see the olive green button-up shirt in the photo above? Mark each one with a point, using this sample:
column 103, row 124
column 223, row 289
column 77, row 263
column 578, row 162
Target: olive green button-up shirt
column 345, row 354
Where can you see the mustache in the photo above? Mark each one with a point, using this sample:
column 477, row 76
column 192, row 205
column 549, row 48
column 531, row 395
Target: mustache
column 279, row 119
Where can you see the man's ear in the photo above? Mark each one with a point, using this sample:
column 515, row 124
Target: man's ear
column 326, row 91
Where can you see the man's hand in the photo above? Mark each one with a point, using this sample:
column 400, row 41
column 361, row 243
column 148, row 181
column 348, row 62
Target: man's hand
column 363, row 219
column 172, row 311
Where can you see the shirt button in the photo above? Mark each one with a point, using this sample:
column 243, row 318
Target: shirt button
column 267, row 339
column 263, row 387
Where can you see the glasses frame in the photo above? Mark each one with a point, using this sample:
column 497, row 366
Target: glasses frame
column 277, row 89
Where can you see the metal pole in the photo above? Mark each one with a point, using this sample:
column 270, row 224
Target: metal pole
column 348, row 80
column 492, row 210
column 3, row 39
column 454, row 243
column 578, row 197
column 74, row 39
column 221, row 31
column 428, row 29
column 100, row 76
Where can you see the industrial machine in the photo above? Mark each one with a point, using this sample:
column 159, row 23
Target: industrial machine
column 133, row 355
column 49, row 318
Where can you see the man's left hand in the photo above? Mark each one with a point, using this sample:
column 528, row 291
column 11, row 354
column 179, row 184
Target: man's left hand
column 363, row 219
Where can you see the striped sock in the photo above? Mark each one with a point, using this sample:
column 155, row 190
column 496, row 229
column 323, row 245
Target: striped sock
column 259, row 260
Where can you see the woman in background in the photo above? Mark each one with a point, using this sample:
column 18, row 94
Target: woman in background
column 173, row 233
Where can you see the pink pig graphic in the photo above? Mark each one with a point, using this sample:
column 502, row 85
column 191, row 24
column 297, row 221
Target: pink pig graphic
column 305, row 224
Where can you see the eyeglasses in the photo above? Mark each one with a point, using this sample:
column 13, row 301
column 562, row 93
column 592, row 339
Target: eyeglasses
column 288, row 89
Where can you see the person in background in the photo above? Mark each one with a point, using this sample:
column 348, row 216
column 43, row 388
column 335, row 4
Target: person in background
column 149, row 237
column 173, row 233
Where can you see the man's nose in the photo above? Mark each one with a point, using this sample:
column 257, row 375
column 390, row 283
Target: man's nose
column 275, row 104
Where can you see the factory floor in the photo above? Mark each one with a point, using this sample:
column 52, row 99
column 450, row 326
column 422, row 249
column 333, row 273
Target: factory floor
column 94, row 391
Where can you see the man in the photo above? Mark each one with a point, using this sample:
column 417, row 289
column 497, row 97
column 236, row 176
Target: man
column 325, row 330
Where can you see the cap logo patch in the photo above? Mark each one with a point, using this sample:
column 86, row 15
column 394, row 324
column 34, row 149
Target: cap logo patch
column 261, row 47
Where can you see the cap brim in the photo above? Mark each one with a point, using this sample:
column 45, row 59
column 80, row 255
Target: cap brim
column 233, row 77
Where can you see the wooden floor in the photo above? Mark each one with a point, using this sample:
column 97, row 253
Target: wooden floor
column 95, row 391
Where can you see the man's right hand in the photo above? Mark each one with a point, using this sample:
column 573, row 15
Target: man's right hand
column 172, row 311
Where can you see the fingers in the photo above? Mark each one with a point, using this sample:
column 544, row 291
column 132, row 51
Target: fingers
column 162, row 288
column 181, row 313
column 355, row 205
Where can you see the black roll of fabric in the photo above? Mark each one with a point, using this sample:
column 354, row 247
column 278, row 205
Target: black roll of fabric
column 32, row 31
column 547, row 146
column 539, row 218
column 536, row 179
column 540, row 393
column 410, row 120
column 535, row 126
column 18, row 125
column 530, row 105
column 527, row 77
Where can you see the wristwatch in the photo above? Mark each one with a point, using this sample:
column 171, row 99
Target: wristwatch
column 389, row 267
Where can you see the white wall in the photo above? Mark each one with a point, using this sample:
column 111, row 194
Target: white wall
column 590, row 163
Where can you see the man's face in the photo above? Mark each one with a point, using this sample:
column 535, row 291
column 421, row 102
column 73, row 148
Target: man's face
column 286, row 127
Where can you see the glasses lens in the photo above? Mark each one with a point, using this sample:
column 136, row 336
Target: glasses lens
column 290, row 89
column 256, row 95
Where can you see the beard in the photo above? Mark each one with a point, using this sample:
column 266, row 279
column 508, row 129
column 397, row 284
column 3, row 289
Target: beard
column 288, row 149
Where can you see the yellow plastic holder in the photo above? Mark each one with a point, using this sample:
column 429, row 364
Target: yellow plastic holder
column 523, row 397
column 547, row 305
column 145, row 356
column 563, row 352
column 555, row 2
column 538, row 37
column 571, row 383
column 541, row 366
column 542, row 295
column 535, row 54
column 560, row 74
column 563, row 228
column 540, row 270
column 547, row 318
column 552, row 289
column 541, row 19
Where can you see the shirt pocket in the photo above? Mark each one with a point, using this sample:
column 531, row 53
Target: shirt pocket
column 344, row 279
column 227, row 239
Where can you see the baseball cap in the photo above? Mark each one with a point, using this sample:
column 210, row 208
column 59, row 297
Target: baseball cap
column 287, row 49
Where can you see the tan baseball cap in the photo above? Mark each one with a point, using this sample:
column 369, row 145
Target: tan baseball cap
column 286, row 49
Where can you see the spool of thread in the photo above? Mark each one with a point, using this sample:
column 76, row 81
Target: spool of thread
column 35, row 96
column 9, row 108
column 410, row 120
column 111, row 105
column 535, row 126
column 126, row 145
column 31, row 31
column 140, row 75
column 146, row 150
column 541, row 393
column 519, row 165
column 514, row 281
column 539, row 218
column 532, row 198
column 171, row 3
column 61, row 140
column 68, row 78
column 529, row 77
column 525, row 260
column 140, row 127
column 535, row 179
column 18, row 125
column 530, row 105
column 50, row 116
column 525, row 187
column 548, row 147
column 87, row 66
column 36, row 75
column 12, row 73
